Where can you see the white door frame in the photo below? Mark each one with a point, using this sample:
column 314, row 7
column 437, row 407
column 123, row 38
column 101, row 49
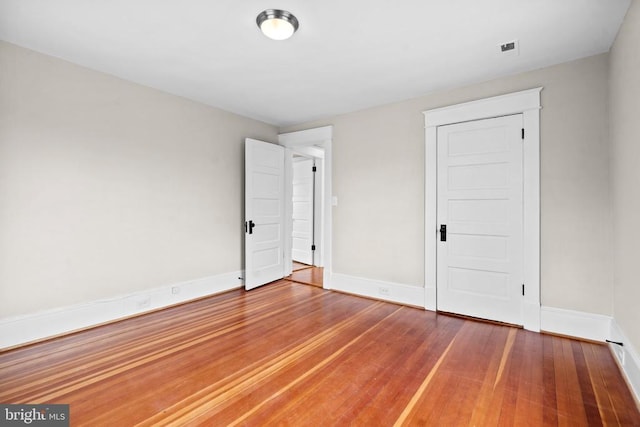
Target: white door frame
column 321, row 137
column 527, row 103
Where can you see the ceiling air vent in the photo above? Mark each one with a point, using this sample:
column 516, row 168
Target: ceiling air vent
column 510, row 48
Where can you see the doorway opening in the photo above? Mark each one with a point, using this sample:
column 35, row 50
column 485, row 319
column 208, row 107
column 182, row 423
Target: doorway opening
column 309, row 245
column 306, row 203
column 303, row 232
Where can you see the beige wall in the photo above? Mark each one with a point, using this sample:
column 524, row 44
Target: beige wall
column 378, row 157
column 108, row 187
column 105, row 184
column 625, row 172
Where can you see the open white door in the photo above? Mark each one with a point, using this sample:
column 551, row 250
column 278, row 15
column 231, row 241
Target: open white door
column 264, row 213
column 303, row 206
column 480, row 193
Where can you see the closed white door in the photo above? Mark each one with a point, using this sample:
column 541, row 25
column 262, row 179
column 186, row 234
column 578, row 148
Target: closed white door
column 480, row 208
column 264, row 213
column 302, row 234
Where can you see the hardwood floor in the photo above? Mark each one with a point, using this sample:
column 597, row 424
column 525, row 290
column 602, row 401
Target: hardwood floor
column 296, row 355
column 307, row 274
column 300, row 266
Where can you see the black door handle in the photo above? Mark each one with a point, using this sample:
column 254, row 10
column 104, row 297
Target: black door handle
column 443, row 232
column 248, row 226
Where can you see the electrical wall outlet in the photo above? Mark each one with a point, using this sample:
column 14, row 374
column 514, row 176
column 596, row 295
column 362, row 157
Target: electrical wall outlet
column 175, row 290
column 383, row 290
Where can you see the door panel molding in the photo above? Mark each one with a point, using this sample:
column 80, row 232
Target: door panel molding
column 527, row 103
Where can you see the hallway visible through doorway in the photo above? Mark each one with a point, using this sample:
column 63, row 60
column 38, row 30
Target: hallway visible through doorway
column 306, row 274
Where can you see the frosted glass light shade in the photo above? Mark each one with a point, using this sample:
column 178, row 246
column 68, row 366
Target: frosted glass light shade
column 277, row 24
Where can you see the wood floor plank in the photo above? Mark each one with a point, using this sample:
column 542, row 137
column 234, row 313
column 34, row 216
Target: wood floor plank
column 587, row 393
column 263, row 372
column 365, row 392
column 142, row 353
column 494, row 384
column 531, row 386
column 614, row 389
column 570, row 408
column 291, row 354
column 550, row 414
column 310, row 276
column 325, row 374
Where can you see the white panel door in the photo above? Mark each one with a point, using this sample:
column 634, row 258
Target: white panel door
column 302, row 233
column 480, row 264
column 264, row 213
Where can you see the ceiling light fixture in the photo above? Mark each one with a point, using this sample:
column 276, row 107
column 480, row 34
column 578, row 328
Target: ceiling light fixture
column 277, row 24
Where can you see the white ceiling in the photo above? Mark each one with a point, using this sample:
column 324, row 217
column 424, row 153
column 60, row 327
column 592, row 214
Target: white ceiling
column 347, row 55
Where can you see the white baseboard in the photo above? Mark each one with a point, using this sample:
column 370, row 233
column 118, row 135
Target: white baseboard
column 596, row 327
column 627, row 357
column 387, row 291
column 27, row 328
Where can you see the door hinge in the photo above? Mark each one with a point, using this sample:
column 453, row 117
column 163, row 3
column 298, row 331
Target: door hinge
column 313, row 247
column 314, row 169
column 522, row 133
column 523, row 289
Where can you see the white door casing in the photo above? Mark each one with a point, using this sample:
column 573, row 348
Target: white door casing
column 303, row 210
column 307, row 142
column 526, row 102
column 479, row 209
column 264, row 213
